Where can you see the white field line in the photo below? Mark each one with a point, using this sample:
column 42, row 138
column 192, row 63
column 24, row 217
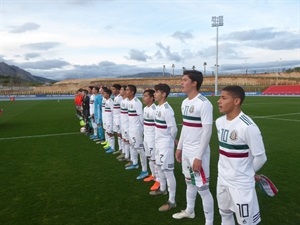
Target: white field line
column 38, row 136
column 271, row 117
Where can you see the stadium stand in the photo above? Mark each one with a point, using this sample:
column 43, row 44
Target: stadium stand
column 282, row 90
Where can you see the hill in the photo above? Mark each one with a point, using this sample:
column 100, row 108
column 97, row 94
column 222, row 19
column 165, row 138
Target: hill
column 15, row 75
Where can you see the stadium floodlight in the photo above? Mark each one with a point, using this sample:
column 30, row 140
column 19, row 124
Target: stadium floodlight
column 217, row 21
column 173, row 66
column 204, row 71
column 164, row 67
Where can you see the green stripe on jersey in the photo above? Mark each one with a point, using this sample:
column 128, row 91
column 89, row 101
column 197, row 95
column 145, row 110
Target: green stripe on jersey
column 161, row 121
column 191, row 118
column 236, row 147
column 245, row 120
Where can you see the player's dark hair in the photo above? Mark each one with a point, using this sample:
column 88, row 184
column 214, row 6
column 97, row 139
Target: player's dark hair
column 91, row 87
column 150, row 92
column 124, row 87
column 132, row 88
column 96, row 88
column 236, row 91
column 164, row 88
column 195, row 75
column 117, row 86
column 107, row 90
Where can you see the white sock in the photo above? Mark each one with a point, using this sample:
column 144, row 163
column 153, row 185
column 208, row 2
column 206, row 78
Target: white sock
column 157, row 172
column 120, row 143
column 152, row 167
column 162, row 179
column 134, row 155
column 143, row 159
column 191, row 194
column 112, row 142
column 126, row 150
column 171, row 181
column 208, row 204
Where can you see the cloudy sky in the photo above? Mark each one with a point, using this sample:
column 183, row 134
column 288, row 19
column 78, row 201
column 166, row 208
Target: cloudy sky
column 60, row 39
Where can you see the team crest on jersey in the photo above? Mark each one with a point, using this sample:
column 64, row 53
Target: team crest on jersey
column 192, row 108
column 234, row 135
column 159, row 114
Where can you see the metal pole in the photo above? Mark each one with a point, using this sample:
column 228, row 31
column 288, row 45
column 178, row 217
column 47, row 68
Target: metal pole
column 217, row 65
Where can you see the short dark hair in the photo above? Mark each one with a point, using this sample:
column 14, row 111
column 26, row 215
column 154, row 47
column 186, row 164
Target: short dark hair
column 96, row 88
column 117, row 86
column 194, row 75
column 150, row 92
column 91, row 87
column 124, row 87
column 236, row 91
column 108, row 91
column 163, row 88
column 132, row 88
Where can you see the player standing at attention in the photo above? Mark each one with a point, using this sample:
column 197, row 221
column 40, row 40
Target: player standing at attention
column 135, row 131
column 108, row 123
column 92, row 111
column 193, row 149
column 165, row 135
column 117, row 115
column 125, row 155
column 86, row 109
column 242, row 154
column 98, row 115
column 149, row 135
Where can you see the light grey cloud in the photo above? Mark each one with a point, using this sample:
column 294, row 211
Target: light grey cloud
column 182, row 36
column 266, row 38
column 173, row 56
column 24, row 28
column 44, row 65
column 137, row 55
column 31, row 55
column 43, row 46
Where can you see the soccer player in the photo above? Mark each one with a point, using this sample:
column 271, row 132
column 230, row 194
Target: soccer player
column 165, row 135
column 98, row 114
column 135, row 131
column 149, row 135
column 242, row 154
column 92, row 111
column 193, row 149
column 86, row 109
column 78, row 102
column 108, row 122
column 117, row 115
column 125, row 155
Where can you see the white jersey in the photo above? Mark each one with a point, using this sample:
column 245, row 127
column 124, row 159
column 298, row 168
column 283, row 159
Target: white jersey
column 195, row 112
column 149, row 120
column 135, row 115
column 109, row 104
column 165, row 127
column 239, row 140
column 124, row 114
column 103, row 110
column 92, row 107
column 116, row 108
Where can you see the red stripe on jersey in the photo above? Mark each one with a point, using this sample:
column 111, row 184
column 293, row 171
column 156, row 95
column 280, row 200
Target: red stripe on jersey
column 160, row 126
column 202, row 174
column 234, row 155
column 124, row 112
column 107, row 110
column 149, row 124
column 192, row 124
column 129, row 114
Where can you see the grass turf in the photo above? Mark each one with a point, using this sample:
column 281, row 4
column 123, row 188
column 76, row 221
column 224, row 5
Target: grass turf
column 68, row 179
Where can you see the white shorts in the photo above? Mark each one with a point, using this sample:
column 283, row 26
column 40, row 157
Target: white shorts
column 109, row 128
column 125, row 134
column 165, row 158
column 243, row 202
column 117, row 125
column 149, row 143
column 136, row 139
column 201, row 177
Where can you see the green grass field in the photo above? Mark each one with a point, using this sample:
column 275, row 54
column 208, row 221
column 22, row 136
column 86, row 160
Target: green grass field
column 52, row 174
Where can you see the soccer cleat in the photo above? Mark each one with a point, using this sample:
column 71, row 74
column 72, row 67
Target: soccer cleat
column 183, row 214
column 123, row 159
column 106, row 146
column 104, row 143
column 109, row 150
column 167, row 206
column 155, row 186
column 128, row 164
column 133, row 166
column 96, row 139
column 142, row 175
column 158, row 192
column 148, row 179
column 117, row 152
column 92, row 137
column 122, row 155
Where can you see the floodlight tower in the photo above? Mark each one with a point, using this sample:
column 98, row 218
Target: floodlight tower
column 217, row 21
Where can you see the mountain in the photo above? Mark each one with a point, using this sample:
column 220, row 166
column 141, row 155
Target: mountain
column 19, row 74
